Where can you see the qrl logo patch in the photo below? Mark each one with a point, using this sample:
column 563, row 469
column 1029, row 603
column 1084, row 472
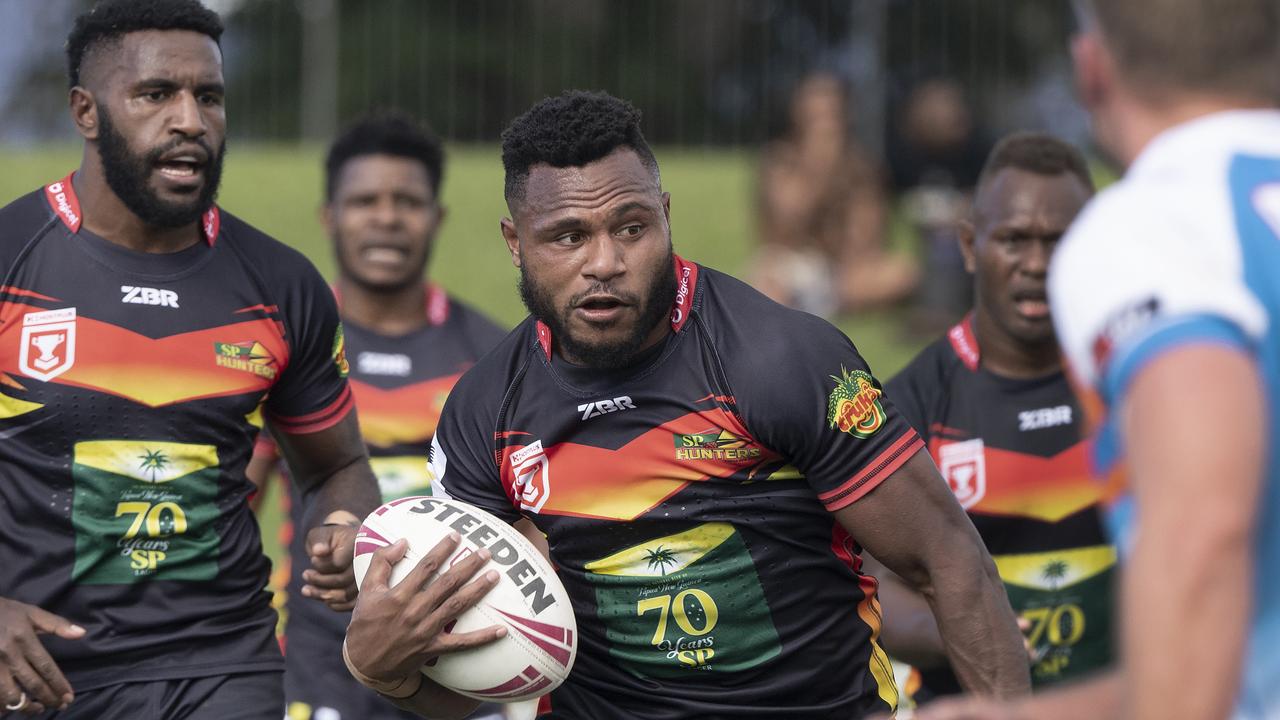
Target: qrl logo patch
column 854, row 405
column 964, row 465
column 48, row 343
column 532, row 472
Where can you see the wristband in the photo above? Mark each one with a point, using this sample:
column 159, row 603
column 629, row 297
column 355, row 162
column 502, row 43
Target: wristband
column 400, row 689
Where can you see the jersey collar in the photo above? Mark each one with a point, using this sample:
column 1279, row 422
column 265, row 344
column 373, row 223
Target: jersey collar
column 965, row 343
column 681, row 307
column 437, row 303
column 62, row 198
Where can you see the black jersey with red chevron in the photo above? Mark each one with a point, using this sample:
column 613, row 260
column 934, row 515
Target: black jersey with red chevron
column 132, row 386
column 1014, row 453
column 687, row 501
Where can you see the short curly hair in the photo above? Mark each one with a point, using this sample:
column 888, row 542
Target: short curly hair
column 387, row 133
column 571, row 130
column 110, row 20
column 1038, row 153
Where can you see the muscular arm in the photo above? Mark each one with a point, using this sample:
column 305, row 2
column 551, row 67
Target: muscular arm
column 1193, row 426
column 914, row 526
column 909, row 632
column 338, row 489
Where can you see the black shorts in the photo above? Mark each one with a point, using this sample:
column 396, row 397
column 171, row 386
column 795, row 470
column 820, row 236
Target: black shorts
column 247, row 696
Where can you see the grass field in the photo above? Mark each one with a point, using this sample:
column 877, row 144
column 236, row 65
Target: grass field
column 278, row 189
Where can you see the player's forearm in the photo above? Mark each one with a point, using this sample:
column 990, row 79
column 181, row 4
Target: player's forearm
column 351, row 489
column 979, row 629
column 909, row 633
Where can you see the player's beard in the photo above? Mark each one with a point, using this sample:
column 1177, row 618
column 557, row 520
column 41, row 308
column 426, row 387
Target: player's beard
column 655, row 308
column 129, row 176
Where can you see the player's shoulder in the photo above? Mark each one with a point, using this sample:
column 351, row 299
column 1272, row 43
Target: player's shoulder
column 483, row 386
column 938, row 362
column 745, row 323
column 271, row 258
column 23, row 218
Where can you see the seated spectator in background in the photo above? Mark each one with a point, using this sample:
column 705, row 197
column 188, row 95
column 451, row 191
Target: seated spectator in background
column 935, row 153
column 822, row 212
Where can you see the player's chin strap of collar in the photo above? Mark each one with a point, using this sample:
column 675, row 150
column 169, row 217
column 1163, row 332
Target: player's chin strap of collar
column 401, row 689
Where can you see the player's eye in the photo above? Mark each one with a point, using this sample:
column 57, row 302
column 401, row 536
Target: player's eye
column 570, row 238
column 156, row 95
column 632, row 231
column 211, row 99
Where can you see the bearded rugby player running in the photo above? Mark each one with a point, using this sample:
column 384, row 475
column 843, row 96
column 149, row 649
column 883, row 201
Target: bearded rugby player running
column 144, row 335
column 668, row 427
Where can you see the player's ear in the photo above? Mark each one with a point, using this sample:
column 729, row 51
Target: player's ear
column 1094, row 69
column 666, row 206
column 512, row 239
column 84, row 112
column 966, row 236
column 326, row 217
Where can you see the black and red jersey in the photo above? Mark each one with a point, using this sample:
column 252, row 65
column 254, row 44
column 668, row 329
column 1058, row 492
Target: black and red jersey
column 400, row 384
column 132, row 386
column 687, row 502
column 1013, row 453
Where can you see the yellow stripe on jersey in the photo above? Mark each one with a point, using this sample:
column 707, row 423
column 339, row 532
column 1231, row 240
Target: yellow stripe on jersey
column 151, row 461
column 1056, row 569
column 13, row 407
column 664, row 555
column 879, row 664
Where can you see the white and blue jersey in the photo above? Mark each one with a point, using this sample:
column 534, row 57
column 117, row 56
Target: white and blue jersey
column 1185, row 250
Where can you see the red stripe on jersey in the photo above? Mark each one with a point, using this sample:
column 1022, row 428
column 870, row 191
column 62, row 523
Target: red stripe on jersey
column 11, row 290
column 319, row 420
column 875, row 472
column 66, row 205
column 62, row 198
column 269, row 309
column 402, row 415
column 437, row 305
column 965, row 343
column 686, row 283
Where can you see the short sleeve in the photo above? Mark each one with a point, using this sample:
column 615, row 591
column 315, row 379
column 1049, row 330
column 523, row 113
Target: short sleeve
column 807, row 394
column 1129, row 284
column 311, row 393
column 461, row 461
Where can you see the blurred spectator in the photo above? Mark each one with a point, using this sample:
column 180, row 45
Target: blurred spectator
column 822, row 212
column 935, row 154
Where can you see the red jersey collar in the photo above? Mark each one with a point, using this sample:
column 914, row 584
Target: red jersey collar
column 965, row 343
column 437, row 303
column 686, row 283
column 62, row 198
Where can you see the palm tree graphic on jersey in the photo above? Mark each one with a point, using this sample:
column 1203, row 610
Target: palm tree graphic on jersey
column 660, row 557
column 153, row 462
column 1054, row 572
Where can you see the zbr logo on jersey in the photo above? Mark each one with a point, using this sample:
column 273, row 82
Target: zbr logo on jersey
column 964, row 465
column 854, row 405
column 532, row 472
column 148, row 296
column 48, row 343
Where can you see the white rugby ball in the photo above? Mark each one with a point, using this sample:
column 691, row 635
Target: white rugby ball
column 529, row 601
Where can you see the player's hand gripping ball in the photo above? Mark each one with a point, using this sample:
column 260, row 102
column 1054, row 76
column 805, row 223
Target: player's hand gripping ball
column 541, row 643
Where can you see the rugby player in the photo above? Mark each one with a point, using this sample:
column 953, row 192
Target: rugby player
column 706, row 464
column 145, row 335
column 408, row 342
column 992, row 403
column 1166, row 296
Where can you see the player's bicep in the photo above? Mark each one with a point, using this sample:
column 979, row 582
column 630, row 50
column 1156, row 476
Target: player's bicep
column 912, row 523
column 315, row 456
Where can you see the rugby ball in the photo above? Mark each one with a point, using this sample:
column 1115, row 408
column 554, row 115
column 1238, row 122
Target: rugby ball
column 541, row 643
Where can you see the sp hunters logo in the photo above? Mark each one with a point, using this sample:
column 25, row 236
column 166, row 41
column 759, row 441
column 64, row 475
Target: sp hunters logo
column 964, row 466
column 715, row 444
column 48, row 343
column 340, row 352
column 854, row 405
column 248, row 356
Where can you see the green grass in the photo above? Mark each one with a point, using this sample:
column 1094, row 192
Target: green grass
column 278, row 189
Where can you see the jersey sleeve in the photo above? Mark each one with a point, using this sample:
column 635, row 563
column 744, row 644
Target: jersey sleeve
column 311, row 393
column 807, row 394
column 461, row 462
column 1130, row 284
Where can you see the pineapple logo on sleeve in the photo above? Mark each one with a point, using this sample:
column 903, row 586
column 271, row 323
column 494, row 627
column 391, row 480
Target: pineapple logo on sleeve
column 684, row 603
column 144, row 510
column 854, row 405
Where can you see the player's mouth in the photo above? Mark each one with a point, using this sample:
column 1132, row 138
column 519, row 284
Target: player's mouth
column 385, row 254
column 600, row 308
column 1032, row 304
column 183, row 170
